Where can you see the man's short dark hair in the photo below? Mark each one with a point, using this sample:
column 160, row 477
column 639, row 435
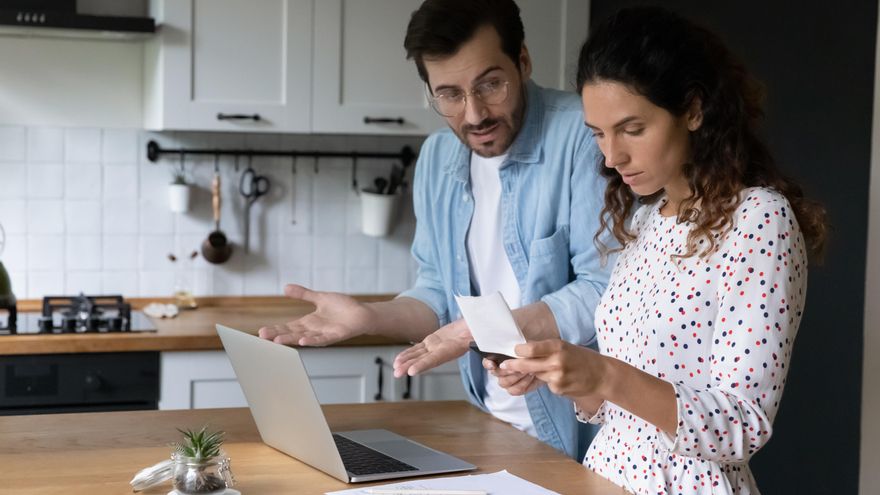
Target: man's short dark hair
column 439, row 27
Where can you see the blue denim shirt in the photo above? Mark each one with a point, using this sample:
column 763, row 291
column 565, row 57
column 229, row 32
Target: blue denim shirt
column 551, row 196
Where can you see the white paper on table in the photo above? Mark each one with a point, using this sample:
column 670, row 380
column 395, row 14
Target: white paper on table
column 491, row 323
column 498, row 483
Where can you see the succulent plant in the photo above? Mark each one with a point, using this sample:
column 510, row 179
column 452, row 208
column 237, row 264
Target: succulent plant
column 200, row 466
column 200, row 445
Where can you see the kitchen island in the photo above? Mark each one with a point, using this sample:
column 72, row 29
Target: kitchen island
column 98, row 453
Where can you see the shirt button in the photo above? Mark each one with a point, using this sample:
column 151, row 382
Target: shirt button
column 465, row 198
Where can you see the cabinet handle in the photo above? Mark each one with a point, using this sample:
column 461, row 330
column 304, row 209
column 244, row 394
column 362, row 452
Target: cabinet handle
column 384, row 120
column 378, row 395
column 407, row 394
column 238, row 116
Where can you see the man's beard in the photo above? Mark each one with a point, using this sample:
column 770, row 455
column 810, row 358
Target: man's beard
column 500, row 146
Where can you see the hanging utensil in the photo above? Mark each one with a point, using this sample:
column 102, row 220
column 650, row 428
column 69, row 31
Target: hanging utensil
column 293, row 190
column 216, row 248
column 251, row 186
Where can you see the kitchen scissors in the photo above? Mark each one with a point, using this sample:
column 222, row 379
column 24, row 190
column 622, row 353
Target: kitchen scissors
column 251, row 186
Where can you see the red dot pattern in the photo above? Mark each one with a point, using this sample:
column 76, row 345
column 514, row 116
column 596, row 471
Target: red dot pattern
column 720, row 329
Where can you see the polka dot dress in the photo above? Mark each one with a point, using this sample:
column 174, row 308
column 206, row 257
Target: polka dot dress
column 720, row 329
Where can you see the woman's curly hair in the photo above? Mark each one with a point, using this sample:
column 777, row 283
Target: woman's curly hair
column 675, row 64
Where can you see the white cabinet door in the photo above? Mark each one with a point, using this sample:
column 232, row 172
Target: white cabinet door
column 341, row 375
column 205, row 379
column 196, row 380
column 360, row 69
column 440, row 383
column 215, row 64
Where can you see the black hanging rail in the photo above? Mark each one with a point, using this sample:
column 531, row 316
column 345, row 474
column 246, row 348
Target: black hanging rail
column 406, row 155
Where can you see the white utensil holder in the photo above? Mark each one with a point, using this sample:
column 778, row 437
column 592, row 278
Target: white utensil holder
column 178, row 197
column 379, row 213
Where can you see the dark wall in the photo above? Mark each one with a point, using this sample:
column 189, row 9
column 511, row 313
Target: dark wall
column 817, row 61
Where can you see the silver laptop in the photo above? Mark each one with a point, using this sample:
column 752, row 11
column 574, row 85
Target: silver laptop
column 290, row 419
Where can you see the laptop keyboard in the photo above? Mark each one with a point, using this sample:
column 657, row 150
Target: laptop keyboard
column 361, row 460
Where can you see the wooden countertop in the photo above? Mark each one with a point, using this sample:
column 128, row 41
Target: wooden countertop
column 190, row 330
column 98, row 453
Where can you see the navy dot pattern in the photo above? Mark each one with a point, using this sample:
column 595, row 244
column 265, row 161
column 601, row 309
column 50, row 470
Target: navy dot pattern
column 720, row 329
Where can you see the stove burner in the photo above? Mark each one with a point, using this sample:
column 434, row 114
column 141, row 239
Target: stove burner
column 80, row 314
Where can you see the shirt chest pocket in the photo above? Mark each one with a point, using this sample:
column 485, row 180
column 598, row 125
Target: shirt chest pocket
column 549, row 264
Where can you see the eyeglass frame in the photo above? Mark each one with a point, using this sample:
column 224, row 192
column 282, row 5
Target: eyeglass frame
column 433, row 99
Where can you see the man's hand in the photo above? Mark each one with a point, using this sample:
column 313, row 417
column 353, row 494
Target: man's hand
column 446, row 344
column 568, row 369
column 336, row 317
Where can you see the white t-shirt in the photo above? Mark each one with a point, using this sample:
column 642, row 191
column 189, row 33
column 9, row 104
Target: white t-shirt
column 490, row 271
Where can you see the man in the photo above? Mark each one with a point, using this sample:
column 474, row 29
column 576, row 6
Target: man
column 507, row 199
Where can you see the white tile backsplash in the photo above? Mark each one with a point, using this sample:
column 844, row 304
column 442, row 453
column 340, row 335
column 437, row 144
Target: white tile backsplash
column 123, row 282
column 155, row 217
column 154, row 250
column 329, row 279
column 14, row 183
column 120, row 252
column 120, row 216
column 82, row 145
column 82, row 181
column 84, row 210
column 83, row 252
column 13, row 216
column 82, row 217
column 45, row 252
column 12, row 143
column 14, row 255
column 45, row 216
column 45, row 181
column 41, row 284
column 45, row 144
column 120, row 181
column 119, row 146
column 85, row 282
column 296, row 252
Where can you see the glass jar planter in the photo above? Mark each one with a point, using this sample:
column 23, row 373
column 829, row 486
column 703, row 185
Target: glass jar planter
column 201, row 476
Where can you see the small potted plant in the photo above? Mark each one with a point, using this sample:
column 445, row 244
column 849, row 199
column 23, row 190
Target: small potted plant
column 178, row 190
column 200, row 467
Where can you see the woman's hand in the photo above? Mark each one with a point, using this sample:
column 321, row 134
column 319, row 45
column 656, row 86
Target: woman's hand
column 514, row 382
column 568, row 369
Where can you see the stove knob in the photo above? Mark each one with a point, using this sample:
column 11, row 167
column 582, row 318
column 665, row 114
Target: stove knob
column 93, row 383
column 45, row 323
column 68, row 324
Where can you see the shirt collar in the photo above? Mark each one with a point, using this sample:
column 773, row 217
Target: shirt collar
column 527, row 147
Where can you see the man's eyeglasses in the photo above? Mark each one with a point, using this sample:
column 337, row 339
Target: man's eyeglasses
column 452, row 102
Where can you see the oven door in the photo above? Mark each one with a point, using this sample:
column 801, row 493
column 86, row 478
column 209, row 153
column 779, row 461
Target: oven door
column 60, row 383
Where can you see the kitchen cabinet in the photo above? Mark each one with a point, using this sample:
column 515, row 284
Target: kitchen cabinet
column 339, row 375
column 328, row 66
column 227, row 65
column 363, row 84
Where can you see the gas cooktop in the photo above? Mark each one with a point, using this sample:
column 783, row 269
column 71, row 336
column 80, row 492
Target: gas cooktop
column 78, row 314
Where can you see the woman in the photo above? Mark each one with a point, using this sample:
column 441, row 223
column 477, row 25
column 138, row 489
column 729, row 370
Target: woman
column 697, row 324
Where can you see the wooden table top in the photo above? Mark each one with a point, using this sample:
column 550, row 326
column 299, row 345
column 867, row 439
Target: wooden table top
column 191, row 330
column 99, row 453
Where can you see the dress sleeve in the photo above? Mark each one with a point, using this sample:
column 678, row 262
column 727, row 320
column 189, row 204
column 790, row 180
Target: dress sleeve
column 598, row 418
column 760, row 298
